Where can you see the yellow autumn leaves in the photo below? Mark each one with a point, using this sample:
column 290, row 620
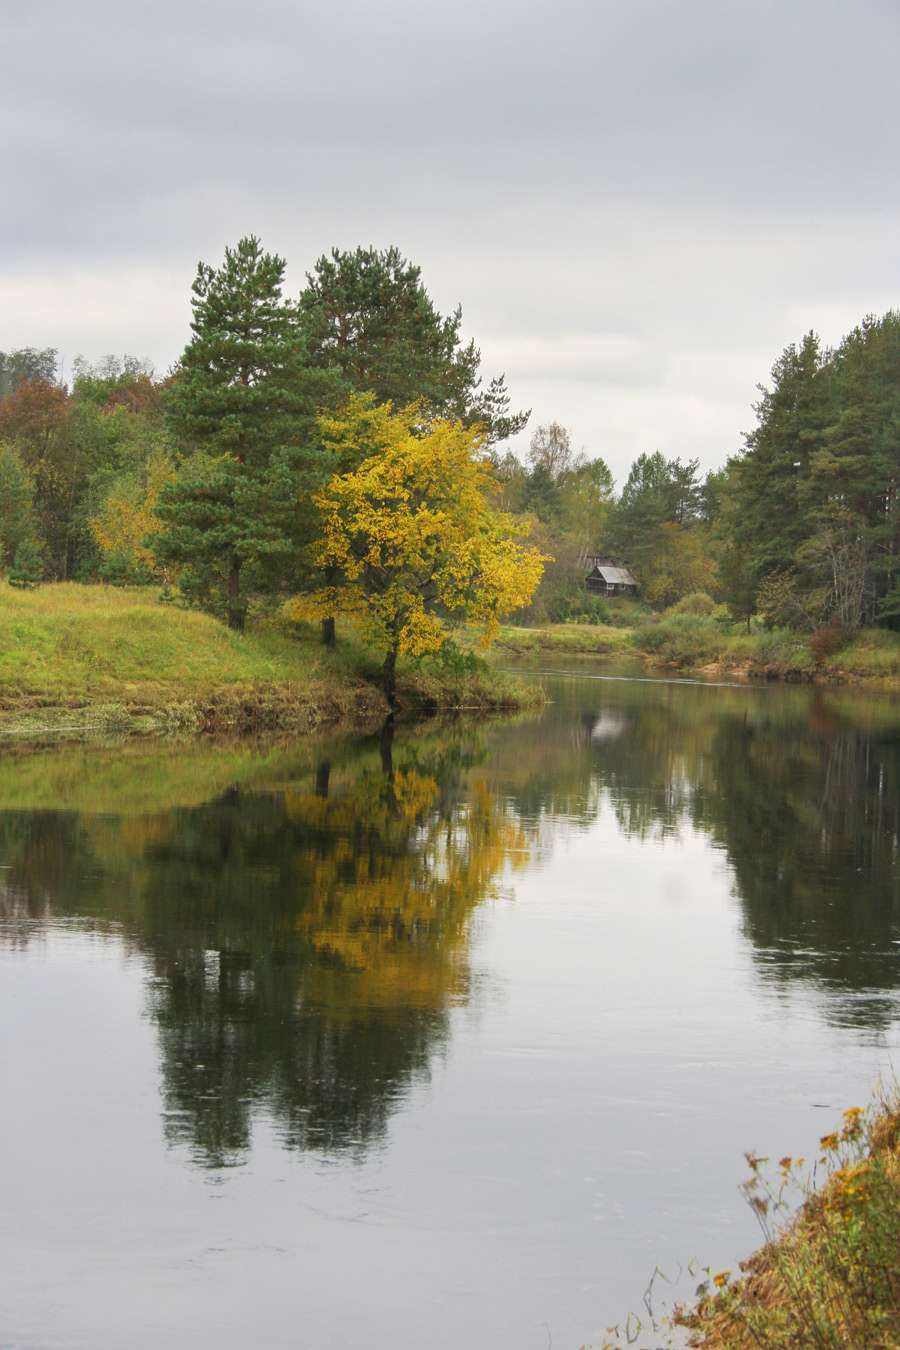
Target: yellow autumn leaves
column 127, row 521
column 408, row 538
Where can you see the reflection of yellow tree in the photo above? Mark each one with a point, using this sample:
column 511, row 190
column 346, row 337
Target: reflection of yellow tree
column 305, row 946
column 388, row 904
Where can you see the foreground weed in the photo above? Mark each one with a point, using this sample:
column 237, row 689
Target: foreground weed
column 828, row 1274
column 828, row 1278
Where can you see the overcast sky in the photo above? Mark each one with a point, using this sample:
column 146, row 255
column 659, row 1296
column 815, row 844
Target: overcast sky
column 638, row 203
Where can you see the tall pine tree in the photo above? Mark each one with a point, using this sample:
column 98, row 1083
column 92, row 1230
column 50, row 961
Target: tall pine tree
column 367, row 315
column 244, row 401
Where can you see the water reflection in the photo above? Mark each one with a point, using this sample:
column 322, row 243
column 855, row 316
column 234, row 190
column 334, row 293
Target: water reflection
column 306, row 913
column 800, row 788
column 306, row 941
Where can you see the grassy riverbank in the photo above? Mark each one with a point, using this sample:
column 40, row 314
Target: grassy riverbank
column 694, row 643
column 108, row 659
column 829, row 1279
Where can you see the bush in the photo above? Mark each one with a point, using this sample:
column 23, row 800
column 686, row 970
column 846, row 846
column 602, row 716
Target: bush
column 698, row 602
column 684, row 640
column 828, row 1279
column 828, row 640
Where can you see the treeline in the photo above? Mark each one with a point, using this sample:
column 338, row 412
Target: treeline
column 801, row 529
column 342, row 447
column 333, row 447
column 661, row 524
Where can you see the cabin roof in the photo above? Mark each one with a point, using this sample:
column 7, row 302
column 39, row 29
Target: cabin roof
column 616, row 576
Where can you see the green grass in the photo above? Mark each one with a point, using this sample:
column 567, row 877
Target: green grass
column 565, row 639
column 109, row 659
column 69, row 641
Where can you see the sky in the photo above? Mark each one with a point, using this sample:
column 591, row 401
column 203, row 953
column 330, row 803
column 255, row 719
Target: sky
column 638, row 203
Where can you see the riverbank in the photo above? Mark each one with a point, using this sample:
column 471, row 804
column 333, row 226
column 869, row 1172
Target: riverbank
column 703, row 645
column 99, row 660
column 829, row 1279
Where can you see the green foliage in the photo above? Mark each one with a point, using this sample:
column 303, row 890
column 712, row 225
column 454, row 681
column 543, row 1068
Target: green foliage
column 367, row 316
column 654, row 528
column 814, row 496
column 37, row 419
column 681, row 564
column 698, row 602
column 27, row 567
column 237, row 517
column 241, row 388
column 17, row 520
column 114, row 382
column 684, row 640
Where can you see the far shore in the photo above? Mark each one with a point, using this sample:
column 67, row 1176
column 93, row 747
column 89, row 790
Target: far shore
column 694, row 645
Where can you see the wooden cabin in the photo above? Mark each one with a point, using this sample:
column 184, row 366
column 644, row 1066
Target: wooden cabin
column 609, row 579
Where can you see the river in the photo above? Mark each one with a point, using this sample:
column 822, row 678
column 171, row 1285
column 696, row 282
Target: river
column 447, row 1038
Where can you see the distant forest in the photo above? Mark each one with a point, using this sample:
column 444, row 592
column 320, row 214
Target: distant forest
column 214, row 479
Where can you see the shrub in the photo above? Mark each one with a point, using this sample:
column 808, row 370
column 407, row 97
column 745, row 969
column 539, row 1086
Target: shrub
column 684, row 640
column 828, row 640
column 698, row 602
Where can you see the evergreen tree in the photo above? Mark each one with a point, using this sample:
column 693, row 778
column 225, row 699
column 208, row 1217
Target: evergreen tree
column 27, row 569
column 770, row 482
column 855, row 476
column 813, row 500
column 367, row 315
column 651, row 498
column 246, row 397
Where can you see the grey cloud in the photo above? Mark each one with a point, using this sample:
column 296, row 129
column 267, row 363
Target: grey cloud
column 650, row 101
column 638, row 202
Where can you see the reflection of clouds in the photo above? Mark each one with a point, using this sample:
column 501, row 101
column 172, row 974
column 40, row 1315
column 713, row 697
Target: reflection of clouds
column 608, row 726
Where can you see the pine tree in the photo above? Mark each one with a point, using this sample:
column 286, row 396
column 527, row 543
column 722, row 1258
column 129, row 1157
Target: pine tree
column 245, row 397
column 856, row 475
column 770, row 484
column 27, row 569
column 368, row 316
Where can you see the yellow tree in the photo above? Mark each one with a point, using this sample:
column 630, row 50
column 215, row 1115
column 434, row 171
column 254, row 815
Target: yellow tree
column 127, row 521
column 411, row 536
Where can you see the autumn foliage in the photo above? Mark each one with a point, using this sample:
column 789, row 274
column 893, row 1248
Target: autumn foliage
column 407, row 536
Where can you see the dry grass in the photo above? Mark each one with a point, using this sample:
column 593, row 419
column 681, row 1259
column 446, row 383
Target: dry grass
column 830, row 1278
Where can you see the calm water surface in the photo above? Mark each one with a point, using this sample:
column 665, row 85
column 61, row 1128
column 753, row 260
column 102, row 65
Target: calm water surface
column 443, row 1040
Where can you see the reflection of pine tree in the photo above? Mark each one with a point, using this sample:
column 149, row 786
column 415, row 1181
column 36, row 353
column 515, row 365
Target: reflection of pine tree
column 306, row 944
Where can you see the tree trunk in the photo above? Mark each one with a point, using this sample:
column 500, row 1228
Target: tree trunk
column 323, row 774
column 328, row 639
column 389, row 677
column 237, row 609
